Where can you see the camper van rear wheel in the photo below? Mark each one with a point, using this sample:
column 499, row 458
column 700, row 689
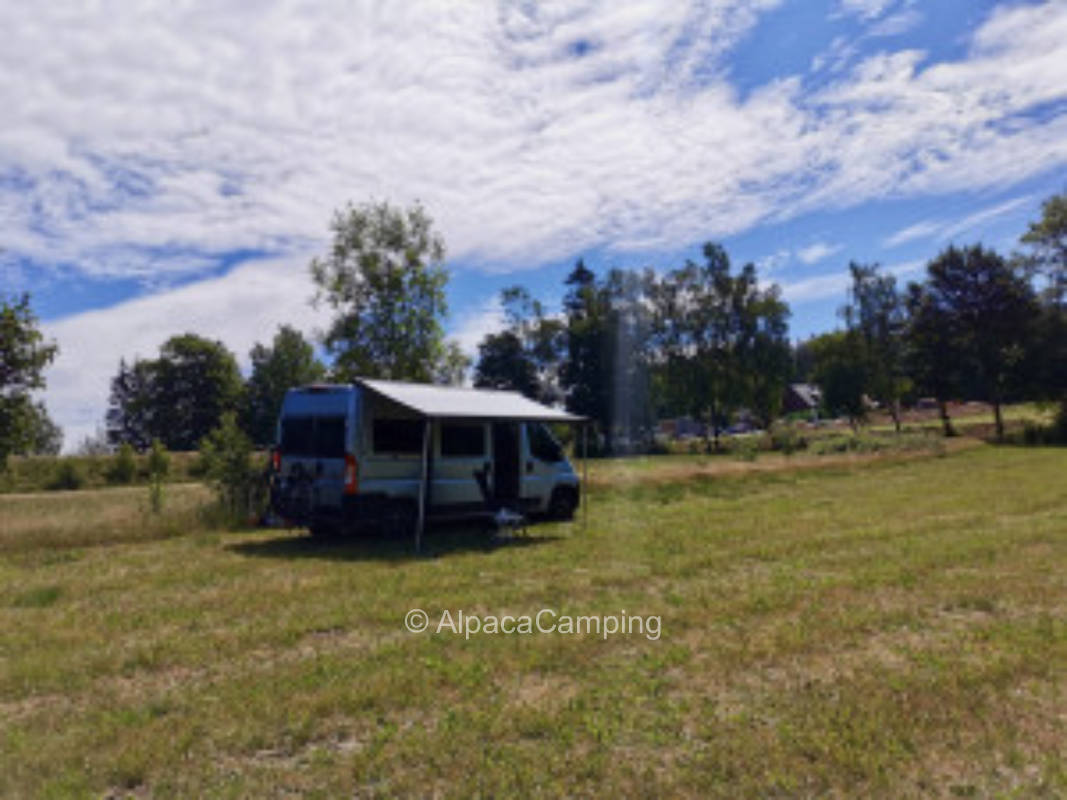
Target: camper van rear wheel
column 562, row 504
column 322, row 530
column 399, row 519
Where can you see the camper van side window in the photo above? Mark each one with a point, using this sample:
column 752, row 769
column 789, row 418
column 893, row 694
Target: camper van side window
column 463, row 440
column 398, row 436
column 543, row 446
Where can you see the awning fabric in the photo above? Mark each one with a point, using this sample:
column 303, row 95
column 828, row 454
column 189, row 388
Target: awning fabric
column 452, row 402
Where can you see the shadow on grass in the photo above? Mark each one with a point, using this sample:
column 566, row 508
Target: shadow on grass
column 439, row 541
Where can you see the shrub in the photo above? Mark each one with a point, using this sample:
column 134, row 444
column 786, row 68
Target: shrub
column 226, row 455
column 1059, row 426
column 68, row 477
column 786, row 438
column 158, row 467
column 745, row 448
column 123, row 468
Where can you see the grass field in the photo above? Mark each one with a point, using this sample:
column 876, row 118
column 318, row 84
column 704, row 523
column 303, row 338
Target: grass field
column 889, row 627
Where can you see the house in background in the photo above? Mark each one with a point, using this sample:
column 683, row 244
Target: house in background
column 681, row 428
column 802, row 397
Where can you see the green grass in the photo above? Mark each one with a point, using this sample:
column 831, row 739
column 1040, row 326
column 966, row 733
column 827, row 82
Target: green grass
column 875, row 627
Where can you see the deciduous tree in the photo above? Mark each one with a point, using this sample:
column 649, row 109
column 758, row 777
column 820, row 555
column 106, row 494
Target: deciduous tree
column 384, row 278
column 24, row 354
column 988, row 309
column 288, row 361
column 875, row 316
column 178, row 397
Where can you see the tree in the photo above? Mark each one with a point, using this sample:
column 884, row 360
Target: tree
column 765, row 359
column 989, row 309
column 24, row 354
column 875, row 316
column 1047, row 239
column 178, row 397
column 196, row 381
column 720, row 340
column 803, row 360
column 503, row 363
column 585, row 376
column 131, row 405
column 840, row 371
column 287, row 362
column 384, row 278
column 525, row 356
column 931, row 349
column 451, row 368
column 46, row 437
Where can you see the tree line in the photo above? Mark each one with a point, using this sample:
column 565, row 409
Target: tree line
column 705, row 341
column 627, row 348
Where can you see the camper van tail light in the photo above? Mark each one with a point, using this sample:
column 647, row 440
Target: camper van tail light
column 351, row 483
column 276, row 459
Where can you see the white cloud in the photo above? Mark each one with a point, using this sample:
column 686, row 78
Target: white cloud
column 817, row 252
column 775, row 261
column 148, row 140
column 920, row 230
column 867, row 9
column 835, row 284
column 895, row 24
column 817, row 287
column 241, row 308
column 475, row 325
column 978, row 218
column 945, row 230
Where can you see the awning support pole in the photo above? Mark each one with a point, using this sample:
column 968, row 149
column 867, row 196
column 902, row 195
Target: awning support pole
column 419, row 527
column 585, row 475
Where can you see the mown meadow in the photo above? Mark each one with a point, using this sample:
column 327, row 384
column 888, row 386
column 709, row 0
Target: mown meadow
column 855, row 625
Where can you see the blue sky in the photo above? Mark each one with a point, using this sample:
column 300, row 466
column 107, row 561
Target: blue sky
column 174, row 167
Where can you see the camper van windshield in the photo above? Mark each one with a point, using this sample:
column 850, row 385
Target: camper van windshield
column 543, row 446
column 316, row 437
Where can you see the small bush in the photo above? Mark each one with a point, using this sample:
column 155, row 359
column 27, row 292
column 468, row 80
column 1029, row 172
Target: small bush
column 744, row 448
column 123, row 468
column 158, row 467
column 226, row 454
column 786, row 439
column 1059, row 426
column 1034, row 434
column 69, row 477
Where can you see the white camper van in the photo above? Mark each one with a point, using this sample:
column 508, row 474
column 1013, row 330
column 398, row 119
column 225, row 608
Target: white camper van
column 368, row 453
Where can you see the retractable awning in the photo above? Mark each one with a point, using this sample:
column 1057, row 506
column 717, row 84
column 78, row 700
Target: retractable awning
column 439, row 402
